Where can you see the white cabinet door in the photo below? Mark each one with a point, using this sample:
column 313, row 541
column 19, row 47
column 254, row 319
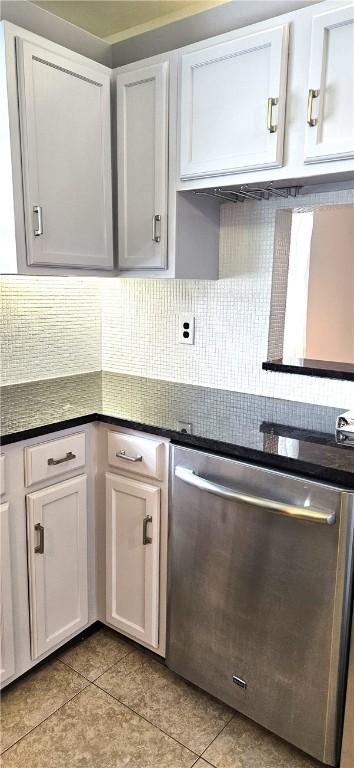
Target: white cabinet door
column 330, row 113
column 7, row 663
column 233, row 105
column 132, row 552
column 142, row 128
column 57, row 560
column 66, row 157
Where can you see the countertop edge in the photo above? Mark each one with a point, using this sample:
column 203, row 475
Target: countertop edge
column 301, row 370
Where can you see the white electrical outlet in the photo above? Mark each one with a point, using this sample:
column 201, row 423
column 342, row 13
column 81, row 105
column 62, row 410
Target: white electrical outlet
column 186, row 329
column 185, row 426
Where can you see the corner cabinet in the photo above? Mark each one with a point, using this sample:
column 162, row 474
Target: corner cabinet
column 55, row 158
column 142, row 135
column 232, row 104
column 330, row 112
column 57, row 563
column 132, row 557
column 66, row 159
column 7, row 662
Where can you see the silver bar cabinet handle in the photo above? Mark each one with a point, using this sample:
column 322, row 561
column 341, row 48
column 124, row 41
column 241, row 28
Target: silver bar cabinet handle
column 122, row 455
column 69, row 456
column 39, row 549
column 146, row 539
column 272, row 102
column 313, row 94
column 38, row 210
column 156, row 219
column 289, row 510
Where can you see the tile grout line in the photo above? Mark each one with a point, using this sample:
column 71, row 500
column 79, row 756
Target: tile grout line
column 142, row 717
column 217, row 736
column 115, row 698
column 101, row 673
column 43, row 721
column 73, row 670
column 153, row 724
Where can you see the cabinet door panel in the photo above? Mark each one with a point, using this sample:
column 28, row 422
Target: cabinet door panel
column 331, row 87
column 142, row 118
column 65, row 140
column 57, row 563
column 132, row 566
column 224, row 105
column 7, row 664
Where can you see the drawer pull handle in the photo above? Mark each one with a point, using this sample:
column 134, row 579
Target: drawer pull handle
column 69, row 456
column 270, row 125
column 39, row 549
column 156, row 219
column 313, row 94
column 122, row 455
column 39, row 229
column 146, row 539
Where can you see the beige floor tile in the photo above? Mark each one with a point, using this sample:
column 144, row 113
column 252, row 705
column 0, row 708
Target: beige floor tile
column 243, row 744
column 29, row 701
column 92, row 656
column 95, row 731
column 202, row 764
column 150, row 689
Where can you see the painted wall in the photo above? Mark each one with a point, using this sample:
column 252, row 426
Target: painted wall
column 330, row 309
column 59, row 326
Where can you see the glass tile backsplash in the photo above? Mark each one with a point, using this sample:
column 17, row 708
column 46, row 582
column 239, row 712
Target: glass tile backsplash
column 53, row 326
column 50, row 326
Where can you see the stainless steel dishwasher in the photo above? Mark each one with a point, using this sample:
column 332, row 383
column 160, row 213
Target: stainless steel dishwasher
column 260, row 567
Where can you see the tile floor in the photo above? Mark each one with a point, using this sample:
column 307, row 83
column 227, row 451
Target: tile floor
column 105, row 704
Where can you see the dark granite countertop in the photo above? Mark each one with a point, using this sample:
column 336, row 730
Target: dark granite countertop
column 308, row 367
column 290, row 436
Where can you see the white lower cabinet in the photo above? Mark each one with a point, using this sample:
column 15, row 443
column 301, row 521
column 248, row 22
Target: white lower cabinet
column 132, row 552
column 7, row 663
column 57, row 563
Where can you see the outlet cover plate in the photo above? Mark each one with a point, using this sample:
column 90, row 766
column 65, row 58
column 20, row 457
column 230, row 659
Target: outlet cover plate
column 186, row 323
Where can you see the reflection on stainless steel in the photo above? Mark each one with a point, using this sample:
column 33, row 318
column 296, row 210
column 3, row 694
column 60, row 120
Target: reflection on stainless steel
column 306, row 512
column 261, row 598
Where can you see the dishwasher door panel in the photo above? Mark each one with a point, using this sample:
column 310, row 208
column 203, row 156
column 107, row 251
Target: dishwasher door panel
column 258, row 595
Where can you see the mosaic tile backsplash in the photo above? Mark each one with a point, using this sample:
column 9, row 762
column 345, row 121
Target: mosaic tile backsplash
column 50, row 327
column 60, row 326
column 140, row 317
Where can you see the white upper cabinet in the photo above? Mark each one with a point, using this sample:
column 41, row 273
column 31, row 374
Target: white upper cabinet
column 66, row 159
column 330, row 114
column 142, row 128
column 232, row 104
column 57, row 563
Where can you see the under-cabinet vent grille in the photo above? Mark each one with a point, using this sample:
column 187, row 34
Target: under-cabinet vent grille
column 246, row 192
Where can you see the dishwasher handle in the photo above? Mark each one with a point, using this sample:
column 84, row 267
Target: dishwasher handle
column 310, row 514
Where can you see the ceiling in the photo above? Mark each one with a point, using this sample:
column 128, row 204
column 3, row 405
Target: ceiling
column 115, row 20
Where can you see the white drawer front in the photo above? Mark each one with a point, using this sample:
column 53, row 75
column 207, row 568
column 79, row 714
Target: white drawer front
column 2, row 476
column 54, row 458
column 135, row 454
